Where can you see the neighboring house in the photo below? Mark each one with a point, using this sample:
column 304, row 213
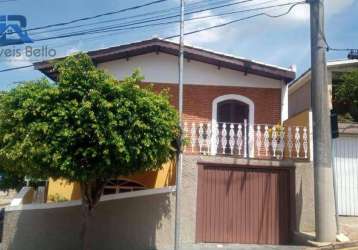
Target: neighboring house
column 246, row 178
column 345, row 147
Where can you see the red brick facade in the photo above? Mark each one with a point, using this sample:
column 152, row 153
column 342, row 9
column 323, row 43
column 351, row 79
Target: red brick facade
column 198, row 101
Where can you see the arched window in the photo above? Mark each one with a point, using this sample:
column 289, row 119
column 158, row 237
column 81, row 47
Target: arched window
column 121, row 185
column 230, row 109
column 233, row 109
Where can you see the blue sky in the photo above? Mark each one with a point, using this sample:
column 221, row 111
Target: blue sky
column 282, row 41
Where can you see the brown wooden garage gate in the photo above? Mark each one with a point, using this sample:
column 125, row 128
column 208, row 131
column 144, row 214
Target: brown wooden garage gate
column 241, row 204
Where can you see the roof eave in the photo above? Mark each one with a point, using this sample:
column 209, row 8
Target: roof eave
column 157, row 45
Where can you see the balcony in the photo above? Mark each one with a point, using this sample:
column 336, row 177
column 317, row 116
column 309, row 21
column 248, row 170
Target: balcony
column 243, row 140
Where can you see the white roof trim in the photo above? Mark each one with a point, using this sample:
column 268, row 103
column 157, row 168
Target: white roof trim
column 232, row 55
column 344, row 62
column 212, row 51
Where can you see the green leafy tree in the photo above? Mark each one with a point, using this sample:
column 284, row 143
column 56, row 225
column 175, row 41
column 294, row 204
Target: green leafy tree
column 87, row 128
column 345, row 94
column 10, row 180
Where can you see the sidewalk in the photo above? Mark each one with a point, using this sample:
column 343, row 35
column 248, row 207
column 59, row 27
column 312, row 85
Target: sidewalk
column 241, row 247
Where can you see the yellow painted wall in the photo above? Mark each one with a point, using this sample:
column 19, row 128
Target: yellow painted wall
column 61, row 189
column 156, row 179
column 300, row 119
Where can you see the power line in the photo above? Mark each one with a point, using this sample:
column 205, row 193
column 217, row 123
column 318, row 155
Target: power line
column 16, row 68
column 329, row 48
column 113, row 32
column 115, row 12
column 97, row 16
column 194, row 5
column 120, row 27
column 118, row 31
column 197, row 31
column 115, row 27
column 158, row 19
column 246, row 10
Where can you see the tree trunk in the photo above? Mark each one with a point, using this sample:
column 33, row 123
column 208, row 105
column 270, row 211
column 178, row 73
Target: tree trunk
column 91, row 192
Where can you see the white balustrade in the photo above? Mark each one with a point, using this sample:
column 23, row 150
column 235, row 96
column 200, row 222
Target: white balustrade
column 266, row 141
column 193, row 136
column 208, row 138
column 232, row 138
column 305, row 141
column 274, row 141
column 185, row 131
column 239, row 140
column 251, row 141
column 281, row 144
column 247, row 140
column 201, row 137
column 298, row 141
column 258, row 140
column 289, row 142
column 223, row 138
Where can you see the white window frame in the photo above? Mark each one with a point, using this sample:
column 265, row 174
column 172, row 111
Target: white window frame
column 240, row 98
column 214, row 116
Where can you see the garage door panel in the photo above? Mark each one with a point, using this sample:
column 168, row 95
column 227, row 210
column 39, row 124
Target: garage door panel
column 242, row 205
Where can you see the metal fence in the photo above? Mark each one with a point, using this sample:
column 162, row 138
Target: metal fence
column 346, row 174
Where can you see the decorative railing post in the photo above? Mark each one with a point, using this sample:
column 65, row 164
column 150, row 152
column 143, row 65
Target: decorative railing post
column 201, row 137
column 297, row 142
column 282, row 142
column 208, row 138
column 289, row 142
column 193, row 137
column 223, row 138
column 214, row 138
column 239, row 141
column 305, row 142
column 266, row 140
column 251, row 141
column 274, row 140
column 232, row 138
column 258, row 139
column 245, row 138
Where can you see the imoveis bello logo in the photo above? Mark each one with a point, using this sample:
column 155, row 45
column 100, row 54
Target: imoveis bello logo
column 12, row 30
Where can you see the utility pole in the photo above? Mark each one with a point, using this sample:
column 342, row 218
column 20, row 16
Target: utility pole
column 179, row 163
column 322, row 142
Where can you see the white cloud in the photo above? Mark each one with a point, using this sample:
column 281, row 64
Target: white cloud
column 72, row 50
column 272, row 40
column 334, row 7
column 208, row 36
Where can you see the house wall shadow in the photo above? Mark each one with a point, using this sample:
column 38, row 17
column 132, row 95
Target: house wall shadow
column 144, row 222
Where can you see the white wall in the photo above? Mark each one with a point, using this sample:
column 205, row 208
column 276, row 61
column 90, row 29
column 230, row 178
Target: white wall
column 345, row 150
column 163, row 68
column 284, row 102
